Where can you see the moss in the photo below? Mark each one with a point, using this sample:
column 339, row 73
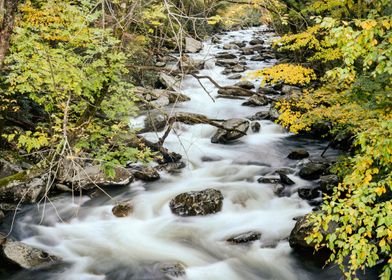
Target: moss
column 21, row 176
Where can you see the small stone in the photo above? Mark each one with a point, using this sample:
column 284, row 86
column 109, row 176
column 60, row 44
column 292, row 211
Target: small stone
column 285, row 180
column 173, row 270
column 298, row 154
column 255, row 126
column 245, row 237
column 235, row 77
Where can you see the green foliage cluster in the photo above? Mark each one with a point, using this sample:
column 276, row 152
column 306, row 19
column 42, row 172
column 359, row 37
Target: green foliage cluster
column 351, row 41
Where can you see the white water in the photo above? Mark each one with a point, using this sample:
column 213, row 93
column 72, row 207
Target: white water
column 97, row 245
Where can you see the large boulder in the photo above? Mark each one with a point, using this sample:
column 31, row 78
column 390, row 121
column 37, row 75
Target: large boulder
column 245, row 237
column 8, row 169
column 144, row 173
column 189, row 65
column 197, row 203
column 28, row 191
column 23, row 256
column 169, row 82
column 308, row 193
column 192, row 45
column 232, row 129
column 312, row 170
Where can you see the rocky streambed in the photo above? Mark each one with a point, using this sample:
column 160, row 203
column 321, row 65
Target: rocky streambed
column 219, row 203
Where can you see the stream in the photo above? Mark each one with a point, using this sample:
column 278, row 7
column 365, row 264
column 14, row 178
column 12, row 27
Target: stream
column 93, row 244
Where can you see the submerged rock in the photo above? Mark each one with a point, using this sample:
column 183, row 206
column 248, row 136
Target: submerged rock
column 298, row 154
column 233, row 129
column 23, row 256
column 197, row 203
column 256, row 42
column 245, row 237
column 123, row 209
column 173, row 269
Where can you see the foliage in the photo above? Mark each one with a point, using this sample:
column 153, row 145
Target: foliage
column 352, row 43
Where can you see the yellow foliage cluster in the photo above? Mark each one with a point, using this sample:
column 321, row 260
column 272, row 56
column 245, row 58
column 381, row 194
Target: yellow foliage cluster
column 286, row 73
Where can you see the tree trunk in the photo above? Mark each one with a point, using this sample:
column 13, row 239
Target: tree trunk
column 8, row 9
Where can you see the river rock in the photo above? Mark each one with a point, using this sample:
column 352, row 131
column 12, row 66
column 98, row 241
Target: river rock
column 312, row 170
column 235, row 91
column 239, row 68
column 245, row 237
column 235, row 77
column 197, row 203
column 302, row 229
column 123, row 209
column 172, row 167
column 256, row 42
column 173, row 270
column 285, row 180
column 233, row 129
column 247, row 51
column 259, row 116
column 227, row 62
column 189, row 64
column 328, row 183
column 268, row 180
column 298, row 154
column 226, row 55
column 291, row 90
column 160, row 102
column 245, row 85
column 192, row 45
column 154, row 121
column 144, row 173
column 230, row 47
column 8, row 169
column 255, row 126
column 169, row 82
column 240, row 44
column 215, row 40
column 268, row 90
column 26, row 192
column 308, row 193
column 273, row 114
column 256, row 100
column 24, row 256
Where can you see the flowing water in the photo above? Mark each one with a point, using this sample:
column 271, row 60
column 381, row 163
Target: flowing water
column 94, row 244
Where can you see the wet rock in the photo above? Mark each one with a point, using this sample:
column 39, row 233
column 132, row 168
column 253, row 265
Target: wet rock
column 268, row 180
column 308, row 193
column 245, row 85
column 328, row 183
column 235, row 91
column 192, row 45
column 173, row 270
column 245, row 237
column 92, row 176
column 268, row 90
column 154, row 121
column 160, row 102
column 302, row 229
column 285, row 170
column 247, row 51
column 169, row 82
column 239, row 68
column 255, row 126
column 312, row 170
column 285, row 180
column 225, row 55
column 24, row 256
column 259, row 116
column 256, row 100
column 233, row 129
column 235, row 77
column 230, row 47
column 172, row 167
column 291, row 90
column 189, row 65
column 215, row 40
column 256, row 42
column 227, row 62
column 197, row 203
column 123, row 209
column 29, row 191
column 8, row 169
column 227, row 71
column 151, row 95
column 240, row 44
column 298, row 154
column 2, row 216
column 273, row 114
column 144, row 173
column 257, row 58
